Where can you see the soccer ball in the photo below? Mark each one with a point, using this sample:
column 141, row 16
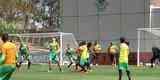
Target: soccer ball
column 112, row 51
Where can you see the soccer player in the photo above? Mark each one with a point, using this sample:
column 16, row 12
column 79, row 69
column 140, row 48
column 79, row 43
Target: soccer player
column 78, row 56
column 156, row 55
column 123, row 58
column 97, row 49
column 90, row 52
column 8, row 65
column 53, row 53
column 113, row 52
column 25, row 54
column 84, row 56
column 70, row 54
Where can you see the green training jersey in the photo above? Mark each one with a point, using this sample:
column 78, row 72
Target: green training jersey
column 24, row 49
column 70, row 52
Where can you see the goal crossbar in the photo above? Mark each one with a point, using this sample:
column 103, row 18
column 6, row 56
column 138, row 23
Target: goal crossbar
column 51, row 34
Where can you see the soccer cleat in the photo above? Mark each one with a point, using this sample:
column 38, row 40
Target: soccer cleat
column 133, row 79
column 49, row 71
column 90, row 70
column 61, row 70
column 84, row 72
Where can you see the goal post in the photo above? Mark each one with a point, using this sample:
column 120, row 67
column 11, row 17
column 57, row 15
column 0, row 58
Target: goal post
column 149, row 37
column 40, row 43
column 153, row 10
column 146, row 39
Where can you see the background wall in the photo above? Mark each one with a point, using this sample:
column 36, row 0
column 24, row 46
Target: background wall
column 121, row 18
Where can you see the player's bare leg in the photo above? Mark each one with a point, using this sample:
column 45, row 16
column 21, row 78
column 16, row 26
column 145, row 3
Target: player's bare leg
column 114, row 63
column 18, row 65
column 82, row 69
column 120, row 74
column 70, row 65
column 77, row 65
column 49, row 65
column 60, row 69
column 29, row 64
column 128, row 74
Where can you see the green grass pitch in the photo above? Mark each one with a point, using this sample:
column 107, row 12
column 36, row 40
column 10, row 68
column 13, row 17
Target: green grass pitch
column 39, row 72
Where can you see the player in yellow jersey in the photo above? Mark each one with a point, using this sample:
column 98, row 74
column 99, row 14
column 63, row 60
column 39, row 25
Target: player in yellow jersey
column 9, row 52
column 53, row 53
column 83, row 56
column 90, row 57
column 123, row 58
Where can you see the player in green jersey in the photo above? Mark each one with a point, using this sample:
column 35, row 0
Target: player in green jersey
column 71, row 54
column 53, row 53
column 25, row 54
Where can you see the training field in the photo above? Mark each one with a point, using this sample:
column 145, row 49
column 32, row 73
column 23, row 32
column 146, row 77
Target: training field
column 39, row 72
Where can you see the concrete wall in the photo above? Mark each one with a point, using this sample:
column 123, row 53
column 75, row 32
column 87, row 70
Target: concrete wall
column 121, row 18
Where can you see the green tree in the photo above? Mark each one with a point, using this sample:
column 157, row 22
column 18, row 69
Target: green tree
column 7, row 27
column 7, row 9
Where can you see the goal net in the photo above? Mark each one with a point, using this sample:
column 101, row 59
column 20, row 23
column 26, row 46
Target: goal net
column 147, row 38
column 39, row 44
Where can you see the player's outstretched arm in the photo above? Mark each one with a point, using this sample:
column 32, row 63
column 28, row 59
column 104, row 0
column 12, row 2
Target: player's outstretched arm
column 2, row 58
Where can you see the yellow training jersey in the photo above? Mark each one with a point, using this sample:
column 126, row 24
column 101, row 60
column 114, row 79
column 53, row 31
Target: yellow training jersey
column 124, row 52
column 9, row 50
column 54, row 46
column 84, row 52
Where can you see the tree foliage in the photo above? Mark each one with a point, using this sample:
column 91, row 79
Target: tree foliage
column 30, row 12
column 7, row 27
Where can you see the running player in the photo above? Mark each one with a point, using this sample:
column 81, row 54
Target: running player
column 77, row 61
column 70, row 52
column 84, row 56
column 90, row 57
